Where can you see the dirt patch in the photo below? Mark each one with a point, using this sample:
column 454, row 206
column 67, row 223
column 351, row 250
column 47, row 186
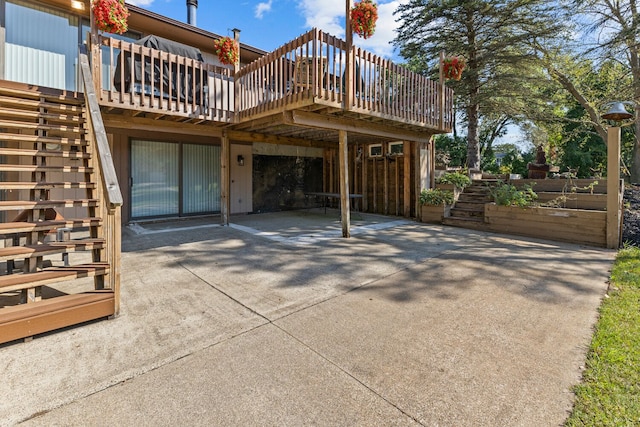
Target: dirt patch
column 631, row 227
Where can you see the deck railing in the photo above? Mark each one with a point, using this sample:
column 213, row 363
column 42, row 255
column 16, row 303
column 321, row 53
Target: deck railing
column 144, row 79
column 312, row 69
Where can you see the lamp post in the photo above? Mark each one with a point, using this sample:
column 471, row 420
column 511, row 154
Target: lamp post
column 617, row 112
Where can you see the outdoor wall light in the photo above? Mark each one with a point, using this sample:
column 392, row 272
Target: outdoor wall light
column 617, row 111
column 240, row 160
column 77, row 4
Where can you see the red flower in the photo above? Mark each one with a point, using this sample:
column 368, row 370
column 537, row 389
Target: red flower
column 227, row 50
column 110, row 15
column 364, row 15
column 452, row 67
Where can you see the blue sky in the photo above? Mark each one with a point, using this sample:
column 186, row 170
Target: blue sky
column 268, row 24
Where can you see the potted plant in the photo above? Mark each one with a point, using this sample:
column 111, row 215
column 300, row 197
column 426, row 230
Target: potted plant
column 227, row 50
column 110, row 16
column 364, row 15
column 435, row 204
column 452, row 67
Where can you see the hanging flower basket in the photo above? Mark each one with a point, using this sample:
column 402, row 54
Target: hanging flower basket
column 452, row 67
column 364, row 15
column 227, row 50
column 110, row 15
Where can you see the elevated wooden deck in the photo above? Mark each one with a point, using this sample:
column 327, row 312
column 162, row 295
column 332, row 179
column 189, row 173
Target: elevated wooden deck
column 308, row 89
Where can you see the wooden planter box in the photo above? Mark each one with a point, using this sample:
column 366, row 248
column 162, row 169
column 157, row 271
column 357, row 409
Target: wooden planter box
column 434, row 214
column 564, row 225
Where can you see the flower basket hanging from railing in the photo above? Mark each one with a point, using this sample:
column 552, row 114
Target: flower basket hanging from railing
column 110, row 16
column 453, row 67
column 364, row 15
column 227, row 50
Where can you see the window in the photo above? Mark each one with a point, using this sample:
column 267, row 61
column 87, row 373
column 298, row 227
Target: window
column 396, row 148
column 41, row 45
column 375, row 150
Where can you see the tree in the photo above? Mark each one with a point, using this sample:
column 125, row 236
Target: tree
column 495, row 37
column 616, row 29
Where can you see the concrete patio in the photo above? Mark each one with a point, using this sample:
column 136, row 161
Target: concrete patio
column 277, row 321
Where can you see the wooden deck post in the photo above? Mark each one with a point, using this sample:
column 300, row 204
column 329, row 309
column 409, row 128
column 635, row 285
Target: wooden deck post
column 441, row 90
column 348, row 74
column 225, row 191
column 94, row 52
column 343, row 159
column 406, row 184
column 613, row 187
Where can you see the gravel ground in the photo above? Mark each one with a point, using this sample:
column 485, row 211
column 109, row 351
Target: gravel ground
column 631, row 228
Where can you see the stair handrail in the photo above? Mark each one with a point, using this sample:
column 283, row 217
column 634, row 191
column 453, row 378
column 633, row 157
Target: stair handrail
column 111, row 193
column 111, row 186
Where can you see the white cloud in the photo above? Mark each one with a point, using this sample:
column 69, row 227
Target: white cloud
column 141, row 3
column 263, row 7
column 329, row 16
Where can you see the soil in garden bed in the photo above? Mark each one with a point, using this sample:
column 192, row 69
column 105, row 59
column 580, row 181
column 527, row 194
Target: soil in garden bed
column 631, row 227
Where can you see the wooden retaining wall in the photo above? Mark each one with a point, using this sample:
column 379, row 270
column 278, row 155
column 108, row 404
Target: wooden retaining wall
column 565, row 225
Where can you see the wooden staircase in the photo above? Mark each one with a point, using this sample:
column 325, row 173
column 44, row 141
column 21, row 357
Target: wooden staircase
column 59, row 231
column 468, row 210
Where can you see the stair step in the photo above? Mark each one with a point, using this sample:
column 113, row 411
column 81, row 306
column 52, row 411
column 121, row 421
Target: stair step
column 22, row 103
column 30, row 251
column 66, row 154
column 26, row 320
column 16, row 282
column 12, row 205
column 29, row 227
column 470, row 223
column 40, row 168
column 26, row 114
column 38, row 95
column 478, row 206
column 43, row 139
column 45, row 185
column 12, row 124
column 461, row 212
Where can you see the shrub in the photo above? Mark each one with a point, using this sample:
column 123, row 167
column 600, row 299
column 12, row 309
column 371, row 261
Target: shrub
column 436, row 197
column 458, row 179
column 508, row 195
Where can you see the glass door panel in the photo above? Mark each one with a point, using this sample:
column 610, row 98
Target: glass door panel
column 155, row 179
column 200, row 179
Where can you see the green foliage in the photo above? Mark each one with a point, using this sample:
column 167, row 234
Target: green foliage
column 509, row 195
column 458, row 179
column 610, row 391
column 495, row 37
column 454, row 148
column 436, row 197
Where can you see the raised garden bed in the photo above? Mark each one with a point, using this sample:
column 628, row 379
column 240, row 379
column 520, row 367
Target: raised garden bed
column 578, row 226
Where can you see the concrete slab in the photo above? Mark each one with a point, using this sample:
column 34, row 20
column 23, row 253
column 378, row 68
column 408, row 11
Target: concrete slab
column 404, row 324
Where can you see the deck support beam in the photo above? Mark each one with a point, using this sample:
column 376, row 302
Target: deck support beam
column 315, row 120
column 343, row 160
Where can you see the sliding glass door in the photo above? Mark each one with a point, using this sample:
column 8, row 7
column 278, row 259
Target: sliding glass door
column 173, row 179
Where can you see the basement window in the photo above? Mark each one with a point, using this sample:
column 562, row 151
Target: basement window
column 396, row 148
column 375, row 150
